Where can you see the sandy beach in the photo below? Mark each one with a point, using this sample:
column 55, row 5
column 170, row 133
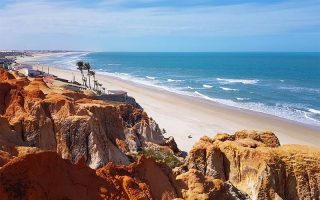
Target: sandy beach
column 182, row 116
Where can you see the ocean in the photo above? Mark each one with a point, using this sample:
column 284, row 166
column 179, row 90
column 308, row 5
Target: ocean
column 286, row 85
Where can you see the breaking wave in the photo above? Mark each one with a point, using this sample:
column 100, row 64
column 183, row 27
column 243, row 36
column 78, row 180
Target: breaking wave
column 242, row 81
column 228, row 89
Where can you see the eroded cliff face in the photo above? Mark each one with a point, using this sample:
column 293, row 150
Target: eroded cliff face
column 71, row 123
column 257, row 165
column 60, row 144
column 46, row 175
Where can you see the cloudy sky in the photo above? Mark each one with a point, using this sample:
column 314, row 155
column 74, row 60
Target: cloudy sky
column 161, row 25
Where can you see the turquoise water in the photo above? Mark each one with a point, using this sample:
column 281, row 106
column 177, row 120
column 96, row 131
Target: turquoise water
column 281, row 84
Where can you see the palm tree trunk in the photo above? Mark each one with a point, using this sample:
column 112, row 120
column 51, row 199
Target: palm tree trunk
column 89, row 82
column 82, row 78
column 94, row 82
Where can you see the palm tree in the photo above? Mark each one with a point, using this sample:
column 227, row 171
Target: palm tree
column 100, row 92
column 100, row 85
column 85, row 81
column 95, row 84
column 80, row 67
column 92, row 73
column 88, row 68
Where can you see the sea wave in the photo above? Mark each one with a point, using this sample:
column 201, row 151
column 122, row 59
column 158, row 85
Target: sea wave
column 300, row 89
column 286, row 111
column 191, row 88
column 173, row 80
column 147, row 82
column 228, row 89
column 113, row 64
column 242, row 99
column 151, row 77
column 207, row 86
column 314, row 111
column 307, row 115
column 242, row 81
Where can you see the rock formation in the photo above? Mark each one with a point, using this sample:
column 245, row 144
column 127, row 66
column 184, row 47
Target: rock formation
column 61, row 144
column 46, row 175
column 257, row 165
column 71, row 123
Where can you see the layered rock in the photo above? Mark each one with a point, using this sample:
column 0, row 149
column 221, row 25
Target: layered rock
column 257, row 165
column 46, row 175
column 194, row 185
column 72, row 123
column 50, row 137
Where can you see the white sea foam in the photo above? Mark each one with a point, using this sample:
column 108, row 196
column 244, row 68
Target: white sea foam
column 151, row 77
column 198, row 93
column 314, row 111
column 282, row 81
column 173, row 80
column 153, row 83
column 207, row 86
column 285, row 111
column 242, row 99
column 113, row 64
column 242, row 81
column 300, row 89
column 306, row 115
column 228, row 89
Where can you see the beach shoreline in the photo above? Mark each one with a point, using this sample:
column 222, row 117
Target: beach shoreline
column 182, row 115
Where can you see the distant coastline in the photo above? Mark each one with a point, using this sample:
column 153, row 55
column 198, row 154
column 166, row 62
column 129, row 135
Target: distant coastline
column 183, row 115
column 274, row 93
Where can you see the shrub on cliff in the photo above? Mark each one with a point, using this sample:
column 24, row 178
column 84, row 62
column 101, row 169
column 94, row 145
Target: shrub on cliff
column 166, row 156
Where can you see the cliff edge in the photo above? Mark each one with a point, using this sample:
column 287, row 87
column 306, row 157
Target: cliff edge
column 256, row 164
column 75, row 125
column 57, row 143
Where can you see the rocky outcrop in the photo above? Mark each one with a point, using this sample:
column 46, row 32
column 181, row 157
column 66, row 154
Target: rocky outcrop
column 194, row 185
column 256, row 165
column 53, row 140
column 46, row 175
column 71, row 123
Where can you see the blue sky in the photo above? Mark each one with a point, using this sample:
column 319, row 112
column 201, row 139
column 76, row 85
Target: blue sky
column 161, row 25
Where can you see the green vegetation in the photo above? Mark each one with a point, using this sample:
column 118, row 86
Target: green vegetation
column 166, row 157
column 97, row 87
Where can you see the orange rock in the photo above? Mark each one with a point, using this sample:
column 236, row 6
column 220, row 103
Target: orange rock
column 256, row 164
column 46, row 175
column 74, row 124
column 4, row 75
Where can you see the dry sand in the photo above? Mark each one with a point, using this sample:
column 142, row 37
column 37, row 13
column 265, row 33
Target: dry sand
column 181, row 116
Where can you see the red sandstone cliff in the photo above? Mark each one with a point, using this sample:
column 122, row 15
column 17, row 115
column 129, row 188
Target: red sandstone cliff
column 46, row 175
column 256, row 164
column 49, row 139
column 71, row 123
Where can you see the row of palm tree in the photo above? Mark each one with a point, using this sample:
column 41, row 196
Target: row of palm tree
column 86, row 67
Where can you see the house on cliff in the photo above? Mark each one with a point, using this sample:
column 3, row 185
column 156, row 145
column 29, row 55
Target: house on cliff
column 5, row 63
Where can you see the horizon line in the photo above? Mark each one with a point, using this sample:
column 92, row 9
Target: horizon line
column 106, row 51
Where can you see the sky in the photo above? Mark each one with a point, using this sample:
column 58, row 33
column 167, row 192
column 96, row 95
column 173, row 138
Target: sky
column 161, row 25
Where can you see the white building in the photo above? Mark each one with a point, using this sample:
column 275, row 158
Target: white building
column 29, row 72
